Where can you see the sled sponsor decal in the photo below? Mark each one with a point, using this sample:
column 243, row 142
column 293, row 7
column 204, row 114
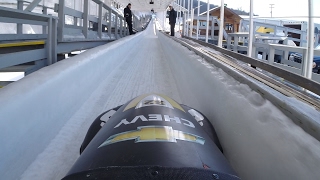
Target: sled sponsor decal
column 158, row 100
column 197, row 116
column 157, row 117
column 153, row 134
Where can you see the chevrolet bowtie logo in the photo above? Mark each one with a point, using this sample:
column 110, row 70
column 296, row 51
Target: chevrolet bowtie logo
column 153, row 134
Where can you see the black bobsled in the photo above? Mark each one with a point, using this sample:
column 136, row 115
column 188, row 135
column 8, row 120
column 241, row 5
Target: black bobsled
column 151, row 137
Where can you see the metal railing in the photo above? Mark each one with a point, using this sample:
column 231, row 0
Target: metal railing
column 110, row 26
column 286, row 30
column 213, row 20
column 87, row 31
column 282, row 52
column 21, row 17
column 270, row 67
column 298, row 68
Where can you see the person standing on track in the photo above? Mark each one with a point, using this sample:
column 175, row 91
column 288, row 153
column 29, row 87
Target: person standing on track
column 128, row 16
column 172, row 19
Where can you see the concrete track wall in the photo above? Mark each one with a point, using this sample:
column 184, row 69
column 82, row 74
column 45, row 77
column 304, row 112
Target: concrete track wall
column 41, row 103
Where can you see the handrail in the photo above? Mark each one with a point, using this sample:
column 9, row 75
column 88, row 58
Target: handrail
column 275, row 49
column 281, row 27
column 277, row 27
column 39, row 5
column 303, row 50
column 106, row 6
column 116, row 27
column 25, row 15
column 18, row 16
column 292, row 77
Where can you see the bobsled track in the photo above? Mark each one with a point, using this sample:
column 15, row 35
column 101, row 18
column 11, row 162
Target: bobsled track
column 45, row 116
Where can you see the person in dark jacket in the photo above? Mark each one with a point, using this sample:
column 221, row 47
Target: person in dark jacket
column 128, row 16
column 172, row 19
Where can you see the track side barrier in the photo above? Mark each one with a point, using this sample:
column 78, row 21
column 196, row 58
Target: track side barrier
column 292, row 77
column 42, row 102
column 297, row 115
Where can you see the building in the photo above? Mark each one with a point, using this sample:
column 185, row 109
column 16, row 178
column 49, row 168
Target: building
column 231, row 21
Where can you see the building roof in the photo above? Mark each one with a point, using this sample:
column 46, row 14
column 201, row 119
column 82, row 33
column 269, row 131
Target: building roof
column 203, row 8
column 210, row 10
column 227, row 11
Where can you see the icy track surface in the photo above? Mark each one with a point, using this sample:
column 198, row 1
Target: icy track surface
column 259, row 141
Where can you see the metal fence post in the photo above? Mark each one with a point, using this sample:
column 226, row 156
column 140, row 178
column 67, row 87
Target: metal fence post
column 44, row 28
column 49, row 42
column 253, row 51
column 141, row 24
column 100, row 20
column 310, row 41
column 54, row 40
column 184, row 24
column 133, row 22
column 85, row 18
column 121, row 27
column 127, row 28
column 229, row 42
column 285, row 53
column 20, row 7
column 110, row 24
column 188, row 17
column 207, row 26
column 116, row 33
column 304, row 63
column 271, row 55
column 198, row 23
column 251, row 30
column 75, row 21
column 222, row 24
column 286, row 31
column 240, row 26
column 192, row 16
column 61, row 21
column 212, row 27
column 303, row 37
column 124, row 27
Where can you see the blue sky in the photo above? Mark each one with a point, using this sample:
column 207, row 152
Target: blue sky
column 282, row 8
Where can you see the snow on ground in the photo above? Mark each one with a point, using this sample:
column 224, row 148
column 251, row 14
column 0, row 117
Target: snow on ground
column 258, row 139
column 11, row 76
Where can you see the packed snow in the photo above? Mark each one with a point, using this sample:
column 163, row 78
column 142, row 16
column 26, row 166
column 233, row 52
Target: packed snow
column 44, row 116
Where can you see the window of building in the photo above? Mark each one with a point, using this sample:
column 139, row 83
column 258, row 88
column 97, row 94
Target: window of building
column 229, row 27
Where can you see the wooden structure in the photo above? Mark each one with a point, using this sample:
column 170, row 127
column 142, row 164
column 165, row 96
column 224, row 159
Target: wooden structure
column 231, row 20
